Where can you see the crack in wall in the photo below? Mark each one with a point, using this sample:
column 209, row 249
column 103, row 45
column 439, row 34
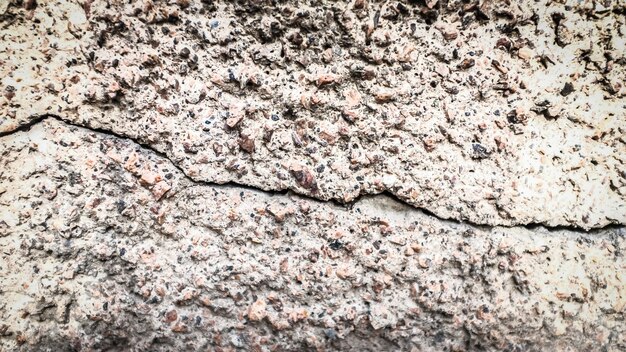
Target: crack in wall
column 287, row 192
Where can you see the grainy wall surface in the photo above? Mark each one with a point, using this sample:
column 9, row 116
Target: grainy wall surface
column 312, row 175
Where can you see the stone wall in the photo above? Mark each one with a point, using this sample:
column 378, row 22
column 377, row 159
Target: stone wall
column 312, row 175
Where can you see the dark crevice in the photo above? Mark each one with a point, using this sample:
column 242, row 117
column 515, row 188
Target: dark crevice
column 289, row 192
column 26, row 126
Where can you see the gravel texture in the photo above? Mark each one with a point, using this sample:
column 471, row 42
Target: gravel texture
column 312, row 175
column 108, row 246
column 491, row 113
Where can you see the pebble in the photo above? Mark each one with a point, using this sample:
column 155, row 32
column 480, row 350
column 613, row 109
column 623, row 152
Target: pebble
column 184, row 53
column 257, row 310
column 525, row 53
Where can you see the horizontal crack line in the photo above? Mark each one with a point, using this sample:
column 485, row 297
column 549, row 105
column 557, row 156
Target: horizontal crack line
column 290, row 192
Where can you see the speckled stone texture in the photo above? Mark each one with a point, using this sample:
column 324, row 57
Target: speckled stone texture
column 312, row 175
column 107, row 246
column 492, row 113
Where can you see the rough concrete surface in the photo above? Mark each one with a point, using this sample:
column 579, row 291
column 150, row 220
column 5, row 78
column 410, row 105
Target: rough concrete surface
column 312, row 175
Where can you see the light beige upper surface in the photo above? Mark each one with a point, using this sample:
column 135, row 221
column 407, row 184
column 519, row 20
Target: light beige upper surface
column 466, row 117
